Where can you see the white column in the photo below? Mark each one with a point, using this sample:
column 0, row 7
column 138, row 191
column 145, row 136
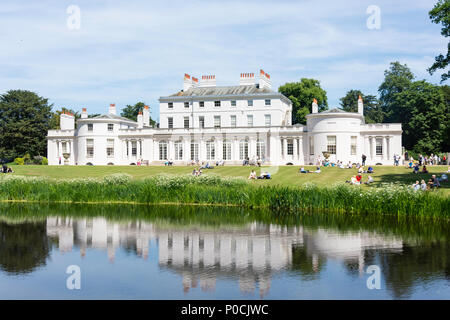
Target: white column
column 295, row 141
column 284, row 148
column 60, row 149
column 388, row 147
column 219, row 150
column 186, row 150
column 366, row 146
column 235, row 155
column 129, row 148
column 373, row 148
column 384, row 148
column 300, row 149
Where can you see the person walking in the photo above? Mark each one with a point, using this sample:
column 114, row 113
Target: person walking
column 363, row 158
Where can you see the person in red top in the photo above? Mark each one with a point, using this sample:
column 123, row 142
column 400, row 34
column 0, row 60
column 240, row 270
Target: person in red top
column 358, row 178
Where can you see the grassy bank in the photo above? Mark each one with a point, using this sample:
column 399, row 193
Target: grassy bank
column 216, row 190
column 283, row 175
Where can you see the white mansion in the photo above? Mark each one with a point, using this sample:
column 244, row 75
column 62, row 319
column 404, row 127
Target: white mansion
column 205, row 122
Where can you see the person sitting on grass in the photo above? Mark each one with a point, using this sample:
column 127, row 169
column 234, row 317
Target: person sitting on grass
column 416, row 168
column 264, row 175
column 416, row 186
column 369, row 180
column 4, row 169
column 361, row 169
column 359, row 178
column 349, row 166
column 443, row 178
column 317, row 170
column 436, row 183
column 302, row 170
column 370, row 170
column 430, row 184
column 410, row 164
column 423, row 185
column 424, row 169
column 252, row 175
column 448, row 171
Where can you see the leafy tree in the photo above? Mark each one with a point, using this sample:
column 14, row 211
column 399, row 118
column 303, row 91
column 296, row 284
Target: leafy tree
column 441, row 14
column 131, row 112
column 423, row 110
column 55, row 120
column 302, row 95
column 25, row 119
column 396, row 79
column 446, row 139
column 372, row 108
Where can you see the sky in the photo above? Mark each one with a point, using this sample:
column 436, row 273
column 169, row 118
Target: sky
column 123, row 52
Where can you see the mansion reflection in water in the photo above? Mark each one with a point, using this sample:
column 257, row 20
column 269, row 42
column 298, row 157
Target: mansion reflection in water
column 251, row 254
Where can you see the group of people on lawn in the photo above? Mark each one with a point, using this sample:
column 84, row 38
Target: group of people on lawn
column 433, row 183
column 5, row 169
column 264, row 175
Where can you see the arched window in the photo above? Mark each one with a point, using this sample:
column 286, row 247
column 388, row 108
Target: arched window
column 163, row 150
column 194, row 151
column 261, row 149
column 178, row 150
column 226, row 150
column 210, row 150
column 243, row 149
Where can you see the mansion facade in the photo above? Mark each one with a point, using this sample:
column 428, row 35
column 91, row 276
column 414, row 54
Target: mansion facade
column 205, row 122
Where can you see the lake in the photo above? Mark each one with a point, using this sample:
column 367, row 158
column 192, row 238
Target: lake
column 195, row 252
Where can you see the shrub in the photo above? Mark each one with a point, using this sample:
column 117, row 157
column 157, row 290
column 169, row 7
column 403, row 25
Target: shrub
column 19, row 161
column 44, row 161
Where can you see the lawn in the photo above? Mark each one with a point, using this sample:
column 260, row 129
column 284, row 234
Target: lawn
column 285, row 175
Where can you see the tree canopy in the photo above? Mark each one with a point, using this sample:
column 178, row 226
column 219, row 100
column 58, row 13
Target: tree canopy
column 302, row 95
column 372, row 107
column 131, row 111
column 25, row 119
column 440, row 14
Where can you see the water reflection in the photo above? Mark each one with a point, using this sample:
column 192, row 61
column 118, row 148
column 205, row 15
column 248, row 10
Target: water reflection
column 251, row 254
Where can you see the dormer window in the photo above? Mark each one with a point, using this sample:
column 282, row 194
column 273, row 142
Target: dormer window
column 170, row 105
column 110, row 127
column 186, row 104
column 90, row 127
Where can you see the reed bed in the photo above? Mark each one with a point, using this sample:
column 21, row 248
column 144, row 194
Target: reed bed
column 216, row 190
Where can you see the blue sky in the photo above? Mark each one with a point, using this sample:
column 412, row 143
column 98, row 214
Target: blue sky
column 130, row 51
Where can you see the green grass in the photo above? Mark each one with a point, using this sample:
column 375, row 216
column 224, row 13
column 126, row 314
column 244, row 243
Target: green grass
column 283, row 175
column 226, row 191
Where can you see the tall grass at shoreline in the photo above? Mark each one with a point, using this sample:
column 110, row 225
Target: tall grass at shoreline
column 216, row 190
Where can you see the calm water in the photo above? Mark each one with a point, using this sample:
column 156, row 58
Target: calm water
column 216, row 253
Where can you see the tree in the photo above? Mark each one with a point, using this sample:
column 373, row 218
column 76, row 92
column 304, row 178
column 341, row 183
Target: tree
column 441, row 14
column 423, row 109
column 25, row 119
column 397, row 79
column 372, row 108
column 55, row 120
column 131, row 112
column 446, row 139
column 302, row 95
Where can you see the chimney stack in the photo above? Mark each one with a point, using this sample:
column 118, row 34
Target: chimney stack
column 264, row 80
column 315, row 106
column 187, row 82
column 112, row 108
column 247, row 79
column 194, row 82
column 84, row 114
column 140, row 120
column 66, row 120
column 208, row 81
column 146, row 116
column 360, row 106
